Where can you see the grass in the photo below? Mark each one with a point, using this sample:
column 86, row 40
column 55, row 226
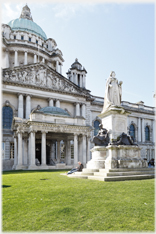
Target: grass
column 48, row 201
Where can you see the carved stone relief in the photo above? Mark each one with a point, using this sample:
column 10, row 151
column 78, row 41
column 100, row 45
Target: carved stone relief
column 39, row 76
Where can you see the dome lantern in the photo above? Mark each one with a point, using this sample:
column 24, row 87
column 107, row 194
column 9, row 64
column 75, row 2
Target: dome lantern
column 26, row 14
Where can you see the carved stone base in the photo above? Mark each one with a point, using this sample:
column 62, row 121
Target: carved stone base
column 98, row 158
column 113, row 156
column 20, row 167
column 33, row 167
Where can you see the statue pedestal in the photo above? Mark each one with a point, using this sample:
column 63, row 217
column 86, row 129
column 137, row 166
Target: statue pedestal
column 99, row 155
column 113, row 156
column 115, row 121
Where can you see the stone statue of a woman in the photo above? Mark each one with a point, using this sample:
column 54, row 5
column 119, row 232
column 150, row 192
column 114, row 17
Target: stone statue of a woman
column 113, row 92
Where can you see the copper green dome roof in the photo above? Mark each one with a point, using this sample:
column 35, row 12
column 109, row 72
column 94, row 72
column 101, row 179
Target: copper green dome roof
column 52, row 110
column 27, row 26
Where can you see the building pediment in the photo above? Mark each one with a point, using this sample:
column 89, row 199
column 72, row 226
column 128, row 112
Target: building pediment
column 41, row 76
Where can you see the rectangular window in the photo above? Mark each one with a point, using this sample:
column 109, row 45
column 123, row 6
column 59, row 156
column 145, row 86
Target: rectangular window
column 11, row 150
column 3, row 149
column 42, row 44
column 22, row 37
column 36, row 41
column 47, row 46
column 29, row 38
column 14, row 37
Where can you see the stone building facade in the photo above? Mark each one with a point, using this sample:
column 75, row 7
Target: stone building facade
column 48, row 119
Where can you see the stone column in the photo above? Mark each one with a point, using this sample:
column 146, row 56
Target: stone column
column 19, row 157
column 51, row 102
column 28, row 106
column 32, row 150
column 84, row 149
column 20, row 105
column 77, row 109
column 75, row 149
column 43, row 149
column 7, row 59
column 76, row 79
column 81, row 81
column 52, row 151
column 58, row 151
column 15, row 152
column 35, row 58
column 57, row 66
column 25, row 151
column 68, row 153
column 83, row 110
column 71, row 79
column 58, row 103
column 139, row 130
column 16, row 59
column 143, row 131
column 61, row 69
column 88, row 148
column 25, row 58
column 84, row 81
column 153, row 136
column 43, row 60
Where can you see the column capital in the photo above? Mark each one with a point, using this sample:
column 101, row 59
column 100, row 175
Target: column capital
column 30, row 95
column 44, row 131
column 76, row 103
column 18, row 94
column 32, row 131
column 76, row 135
column 20, row 131
column 51, row 99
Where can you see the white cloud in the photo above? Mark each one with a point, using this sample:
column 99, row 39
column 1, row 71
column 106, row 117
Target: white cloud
column 9, row 13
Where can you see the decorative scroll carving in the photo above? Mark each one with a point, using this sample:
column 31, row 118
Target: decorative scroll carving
column 39, row 76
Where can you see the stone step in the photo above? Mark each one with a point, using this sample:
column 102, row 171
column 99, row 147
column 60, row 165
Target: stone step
column 77, row 176
column 121, row 178
column 86, row 170
column 123, row 173
column 127, row 169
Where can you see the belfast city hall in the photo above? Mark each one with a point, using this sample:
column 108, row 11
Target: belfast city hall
column 49, row 120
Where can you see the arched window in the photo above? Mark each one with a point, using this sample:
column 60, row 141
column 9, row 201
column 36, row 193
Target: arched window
column 132, row 131
column 147, row 134
column 96, row 127
column 7, row 117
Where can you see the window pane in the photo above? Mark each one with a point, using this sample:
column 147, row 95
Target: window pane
column 96, row 126
column 147, row 133
column 132, row 131
column 7, row 117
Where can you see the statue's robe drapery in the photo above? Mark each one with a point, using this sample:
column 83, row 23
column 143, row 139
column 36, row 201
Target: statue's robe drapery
column 112, row 93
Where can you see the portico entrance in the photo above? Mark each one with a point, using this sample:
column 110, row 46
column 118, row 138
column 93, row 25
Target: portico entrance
column 38, row 155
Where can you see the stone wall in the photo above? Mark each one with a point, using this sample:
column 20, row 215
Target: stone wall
column 8, row 164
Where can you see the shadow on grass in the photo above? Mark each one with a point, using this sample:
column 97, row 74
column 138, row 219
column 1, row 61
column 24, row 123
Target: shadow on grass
column 6, row 186
column 34, row 171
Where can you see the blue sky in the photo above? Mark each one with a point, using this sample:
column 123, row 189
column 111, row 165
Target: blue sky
column 104, row 37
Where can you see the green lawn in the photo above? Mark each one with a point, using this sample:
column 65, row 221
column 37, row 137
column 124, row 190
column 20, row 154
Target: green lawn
column 48, row 201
